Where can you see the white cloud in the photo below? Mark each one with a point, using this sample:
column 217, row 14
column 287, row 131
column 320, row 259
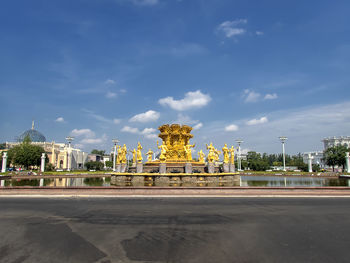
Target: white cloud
column 111, row 95
column 130, row 129
column 198, row 126
column 149, row 133
column 251, row 96
column 257, row 121
column 231, row 127
column 94, row 140
column 116, row 121
column 259, row 33
column 109, row 82
column 270, row 96
column 232, row 28
column 100, row 118
column 59, row 119
column 147, row 116
column 122, row 91
column 83, row 132
column 192, row 100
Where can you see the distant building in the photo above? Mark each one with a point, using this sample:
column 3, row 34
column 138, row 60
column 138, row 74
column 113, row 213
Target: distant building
column 334, row 141
column 317, row 158
column 56, row 152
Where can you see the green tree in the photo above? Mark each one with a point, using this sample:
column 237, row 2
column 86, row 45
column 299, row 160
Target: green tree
column 335, row 156
column 99, row 152
column 94, row 166
column 256, row 162
column 109, row 164
column 26, row 154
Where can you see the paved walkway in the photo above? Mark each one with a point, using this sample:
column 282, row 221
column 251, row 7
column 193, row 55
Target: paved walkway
column 178, row 192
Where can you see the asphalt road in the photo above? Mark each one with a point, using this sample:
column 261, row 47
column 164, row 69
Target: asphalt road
column 174, row 230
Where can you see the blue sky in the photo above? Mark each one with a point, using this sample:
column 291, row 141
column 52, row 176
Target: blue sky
column 103, row 69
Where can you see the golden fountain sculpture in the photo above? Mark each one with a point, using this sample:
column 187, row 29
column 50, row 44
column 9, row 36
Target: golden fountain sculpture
column 176, row 147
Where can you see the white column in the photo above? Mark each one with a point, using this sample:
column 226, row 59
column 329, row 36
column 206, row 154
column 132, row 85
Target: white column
column 284, row 157
column 310, row 162
column 114, row 155
column 69, row 165
column 4, row 162
column 43, row 156
column 347, row 163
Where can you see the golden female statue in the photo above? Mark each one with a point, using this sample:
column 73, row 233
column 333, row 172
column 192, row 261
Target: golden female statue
column 188, row 152
column 163, row 150
column 133, row 156
column 123, row 155
column 201, row 156
column 232, row 156
column 225, row 152
column 212, row 155
column 139, row 153
column 119, row 154
column 149, row 155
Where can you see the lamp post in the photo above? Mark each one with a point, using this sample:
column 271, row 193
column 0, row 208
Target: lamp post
column 239, row 141
column 115, row 141
column 283, row 139
column 69, row 140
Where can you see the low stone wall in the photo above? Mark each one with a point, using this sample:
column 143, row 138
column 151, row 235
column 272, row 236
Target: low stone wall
column 185, row 180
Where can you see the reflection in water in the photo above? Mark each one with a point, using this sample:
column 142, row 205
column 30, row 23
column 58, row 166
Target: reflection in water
column 275, row 181
column 175, row 181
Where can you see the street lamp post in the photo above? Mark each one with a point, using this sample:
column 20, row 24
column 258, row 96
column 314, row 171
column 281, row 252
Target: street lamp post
column 283, row 140
column 115, row 141
column 239, row 141
column 69, row 140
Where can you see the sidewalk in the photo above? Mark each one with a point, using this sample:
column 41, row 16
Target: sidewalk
column 177, row 192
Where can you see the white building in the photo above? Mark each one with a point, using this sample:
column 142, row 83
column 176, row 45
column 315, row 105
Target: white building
column 317, row 158
column 334, row 141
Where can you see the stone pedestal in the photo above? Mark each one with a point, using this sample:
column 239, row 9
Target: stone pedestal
column 138, row 180
column 226, row 168
column 189, row 180
column 162, row 168
column 4, row 162
column 188, row 168
column 161, row 181
column 232, row 168
column 212, row 181
column 118, row 168
column 211, row 168
column 123, row 168
column 139, row 168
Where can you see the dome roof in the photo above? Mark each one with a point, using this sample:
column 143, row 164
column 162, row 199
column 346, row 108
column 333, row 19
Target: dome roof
column 34, row 135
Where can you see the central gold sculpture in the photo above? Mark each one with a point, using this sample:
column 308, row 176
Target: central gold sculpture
column 176, row 145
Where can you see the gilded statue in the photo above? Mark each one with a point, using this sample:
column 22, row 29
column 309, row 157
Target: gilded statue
column 149, row 155
column 225, row 152
column 163, row 151
column 119, row 154
column 123, row 154
column 232, row 156
column 176, row 137
column 201, row 156
column 139, row 153
column 188, row 151
column 213, row 155
column 133, row 156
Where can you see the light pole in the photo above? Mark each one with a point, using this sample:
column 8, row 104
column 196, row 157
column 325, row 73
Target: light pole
column 239, row 141
column 283, row 139
column 69, row 140
column 115, row 141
